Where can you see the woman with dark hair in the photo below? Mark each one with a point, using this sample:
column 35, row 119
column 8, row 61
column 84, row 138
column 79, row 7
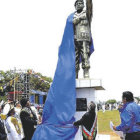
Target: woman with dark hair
column 130, row 117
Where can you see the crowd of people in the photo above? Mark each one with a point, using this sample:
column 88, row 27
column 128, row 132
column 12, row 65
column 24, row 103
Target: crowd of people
column 18, row 120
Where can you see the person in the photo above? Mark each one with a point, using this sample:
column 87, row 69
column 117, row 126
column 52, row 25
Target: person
column 3, row 135
column 89, row 123
column 13, row 127
column 103, row 108
column 130, row 117
column 7, row 106
column 82, row 35
column 17, row 115
column 17, row 109
column 28, row 119
column 33, row 108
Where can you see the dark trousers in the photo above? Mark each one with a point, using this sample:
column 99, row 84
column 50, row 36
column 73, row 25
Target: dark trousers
column 133, row 136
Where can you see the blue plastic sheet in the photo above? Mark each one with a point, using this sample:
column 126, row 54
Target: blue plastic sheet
column 60, row 105
column 32, row 98
column 40, row 99
column 38, row 92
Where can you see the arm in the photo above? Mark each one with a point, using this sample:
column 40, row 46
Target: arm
column 127, row 121
column 80, row 122
column 25, row 117
column 77, row 19
column 89, row 10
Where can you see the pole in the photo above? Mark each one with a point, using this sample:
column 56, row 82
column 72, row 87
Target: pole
column 14, row 83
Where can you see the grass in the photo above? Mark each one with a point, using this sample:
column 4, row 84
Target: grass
column 105, row 118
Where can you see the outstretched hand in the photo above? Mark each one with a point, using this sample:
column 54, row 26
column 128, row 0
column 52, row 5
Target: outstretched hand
column 114, row 127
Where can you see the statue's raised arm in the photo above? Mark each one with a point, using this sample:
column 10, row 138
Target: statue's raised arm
column 89, row 6
column 82, row 35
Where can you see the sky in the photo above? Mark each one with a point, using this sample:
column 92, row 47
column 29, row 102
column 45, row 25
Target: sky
column 31, row 32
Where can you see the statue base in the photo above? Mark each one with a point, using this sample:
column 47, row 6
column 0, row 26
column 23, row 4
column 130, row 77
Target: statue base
column 85, row 93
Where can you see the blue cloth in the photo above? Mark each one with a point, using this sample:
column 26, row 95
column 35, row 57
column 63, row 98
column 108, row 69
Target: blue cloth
column 38, row 92
column 60, row 105
column 40, row 99
column 130, row 118
column 32, row 98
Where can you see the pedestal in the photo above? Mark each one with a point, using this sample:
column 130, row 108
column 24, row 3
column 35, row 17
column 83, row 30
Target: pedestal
column 85, row 93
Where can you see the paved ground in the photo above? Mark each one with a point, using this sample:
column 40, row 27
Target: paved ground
column 112, row 135
column 103, row 137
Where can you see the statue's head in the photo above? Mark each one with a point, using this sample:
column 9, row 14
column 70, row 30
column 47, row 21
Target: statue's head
column 79, row 5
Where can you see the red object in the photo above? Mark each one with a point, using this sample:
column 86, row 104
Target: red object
column 16, row 92
column 10, row 95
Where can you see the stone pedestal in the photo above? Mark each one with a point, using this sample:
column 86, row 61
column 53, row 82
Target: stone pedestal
column 85, row 93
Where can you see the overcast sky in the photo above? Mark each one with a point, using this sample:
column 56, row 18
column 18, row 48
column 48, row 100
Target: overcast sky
column 31, row 32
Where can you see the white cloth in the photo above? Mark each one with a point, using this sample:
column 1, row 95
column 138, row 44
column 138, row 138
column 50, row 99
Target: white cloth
column 12, row 133
column 35, row 111
column 17, row 112
column 103, row 107
column 1, row 103
column 6, row 109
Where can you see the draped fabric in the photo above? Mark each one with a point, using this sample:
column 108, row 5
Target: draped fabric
column 60, row 105
column 40, row 99
column 32, row 98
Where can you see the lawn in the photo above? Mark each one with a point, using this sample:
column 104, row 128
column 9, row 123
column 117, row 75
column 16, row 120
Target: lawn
column 104, row 120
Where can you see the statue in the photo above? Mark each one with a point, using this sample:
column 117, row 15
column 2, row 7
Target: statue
column 58, row 115
column 82, row 35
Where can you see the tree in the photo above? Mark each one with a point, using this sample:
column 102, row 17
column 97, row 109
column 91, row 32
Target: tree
column 111, row 101
column 137, row 99
column 37, row 81
column 40, row 82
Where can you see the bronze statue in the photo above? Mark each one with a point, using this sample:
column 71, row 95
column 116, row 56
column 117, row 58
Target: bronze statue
column 82, row 35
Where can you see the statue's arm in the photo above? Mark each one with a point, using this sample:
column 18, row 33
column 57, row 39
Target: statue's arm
column 77, row 19
column 89, row 10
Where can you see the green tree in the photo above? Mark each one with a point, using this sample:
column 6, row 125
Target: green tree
column 40, row 82
column 137, row 99
column 37, row 81
column 111, row 101
column 5, row 78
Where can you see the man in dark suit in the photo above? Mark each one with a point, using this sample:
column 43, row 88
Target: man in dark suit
column 3, row 134
column 28, row 119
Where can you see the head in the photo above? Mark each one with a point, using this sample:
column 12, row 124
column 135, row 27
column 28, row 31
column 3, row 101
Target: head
column 25, row 102
column 79, row 5
column 11, row 112
column 17, row 104
column 91, row 106
column 127, row 97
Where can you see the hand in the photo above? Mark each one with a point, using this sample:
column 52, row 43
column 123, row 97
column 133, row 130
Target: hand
column 75, row 125
column 114, row 127
column 120, row 106
column 82, row 17
column 39, row 122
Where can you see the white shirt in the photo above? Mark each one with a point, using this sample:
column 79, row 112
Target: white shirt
column 11, row 128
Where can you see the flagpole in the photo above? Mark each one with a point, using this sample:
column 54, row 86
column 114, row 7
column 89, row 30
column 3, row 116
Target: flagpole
column 14, row 82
